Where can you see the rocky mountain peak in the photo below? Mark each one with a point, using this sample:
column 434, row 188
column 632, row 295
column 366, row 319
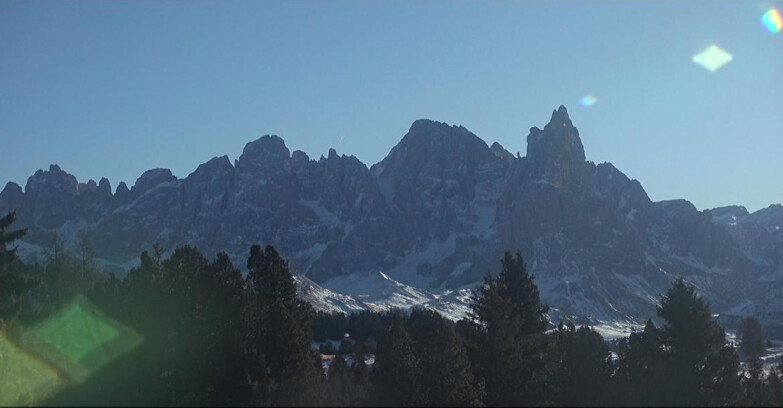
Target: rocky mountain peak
column 55, row 180
column 728, row 215
column 560, row 118
column 429, row 142
column 556, row 153
column 501, row 152
column 428, row 125
column 218, row 165
column 268, row 153
column 122, row 188
column 772, row 215
column 211, row 179
column 426, row 134
column 677, row 206
column 681, row 213
column 122, row 193
column 104, row 187
column 90, row 186
column 11, row 197
column 151, row 178
column 433, row 131
column 299, row 162
column 11, row 188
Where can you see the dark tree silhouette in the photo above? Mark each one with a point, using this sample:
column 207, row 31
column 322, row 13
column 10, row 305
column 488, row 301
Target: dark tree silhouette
column 281, row 332
column 641, row 376
column 446, row 372
column 397, row 370
column 703, row 366
column 511, row 322
column 348, row 385
column 751, row 336
column 582, row 367
column 8, row 255
column 686, row 362
column 13, row 284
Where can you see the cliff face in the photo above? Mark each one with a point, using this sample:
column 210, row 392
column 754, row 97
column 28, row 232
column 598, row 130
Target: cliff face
column 436, row 213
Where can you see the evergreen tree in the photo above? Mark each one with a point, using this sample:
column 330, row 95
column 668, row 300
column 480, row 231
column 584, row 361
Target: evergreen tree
column 348, row 385
column 397, row 371
column 12, row 283
column 775, row 384
column 340, row 383
column 281, row 331
column 86, row 254
column 182, row 289
column 224, row 298
column 582, row 367
column 56, row 253
column 142, row 278
column 511, row 322
column 754, row 390
column 446, row 372
column 751, row 336
column 518, row 286
column 329, row 326
column 8, row 255
column 142, row 376
column 188, row 311
column 363, row 391
column 63, row 277
column 642, row 377
column 687, row 362
column 703, row 366
column 365, row 324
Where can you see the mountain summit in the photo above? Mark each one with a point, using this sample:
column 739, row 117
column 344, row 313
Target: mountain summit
column 436, row 214
column 556, row 154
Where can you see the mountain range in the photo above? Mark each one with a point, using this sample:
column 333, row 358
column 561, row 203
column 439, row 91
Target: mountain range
column 427, row 223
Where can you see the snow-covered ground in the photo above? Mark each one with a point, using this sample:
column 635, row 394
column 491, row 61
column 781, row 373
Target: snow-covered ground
column 772, row 356
column 616, row 330
column 378, row 291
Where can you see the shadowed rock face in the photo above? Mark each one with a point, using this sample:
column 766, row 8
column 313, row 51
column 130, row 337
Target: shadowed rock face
column 436, row 176
column 555, row 154
column 436, row 213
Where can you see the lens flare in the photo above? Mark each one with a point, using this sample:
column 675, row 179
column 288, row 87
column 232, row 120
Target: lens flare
column 79, row 339
column 24, row 379
column 712, row 58
column 772, row 20
column 588, row 101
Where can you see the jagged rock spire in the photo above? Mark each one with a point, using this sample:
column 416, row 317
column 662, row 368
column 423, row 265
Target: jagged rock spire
column 556, row 153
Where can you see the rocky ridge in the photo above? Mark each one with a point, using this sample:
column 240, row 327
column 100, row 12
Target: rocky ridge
column 433, row 216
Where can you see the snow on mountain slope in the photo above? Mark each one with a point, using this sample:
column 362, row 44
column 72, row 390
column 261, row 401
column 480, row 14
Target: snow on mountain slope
column 435, row 215
column 326, row 300
column 377, row 291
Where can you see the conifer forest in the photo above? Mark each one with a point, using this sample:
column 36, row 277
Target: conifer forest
column 190, row 330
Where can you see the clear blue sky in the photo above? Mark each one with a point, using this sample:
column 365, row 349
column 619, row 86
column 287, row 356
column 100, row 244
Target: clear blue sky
column 115, row 88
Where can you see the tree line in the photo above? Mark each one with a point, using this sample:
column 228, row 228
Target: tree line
column 215, row 336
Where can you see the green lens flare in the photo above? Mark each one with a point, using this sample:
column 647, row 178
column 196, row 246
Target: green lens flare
column 79, row 339
column 76, row 333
